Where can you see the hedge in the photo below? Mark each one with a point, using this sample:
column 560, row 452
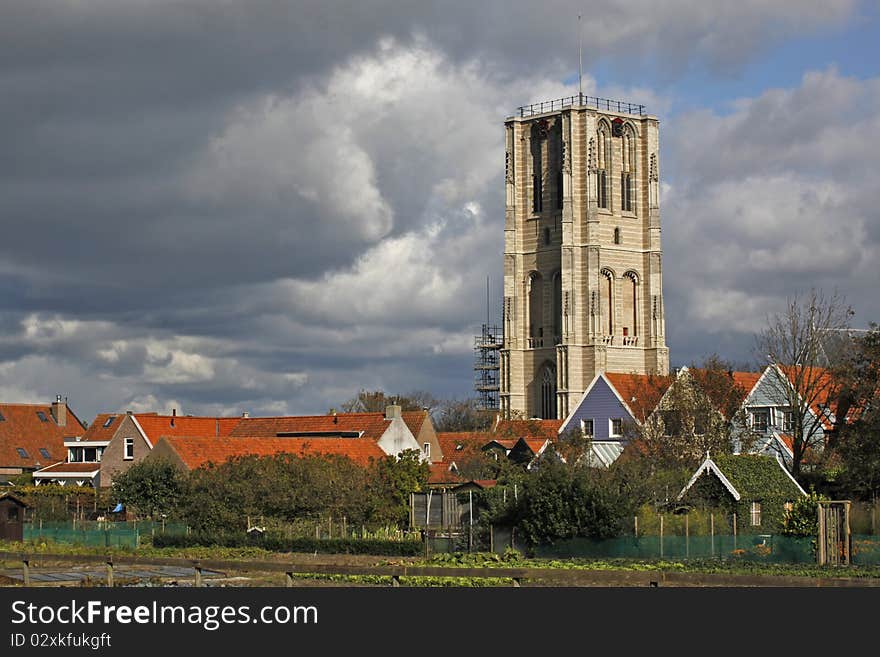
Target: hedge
column 406, row 548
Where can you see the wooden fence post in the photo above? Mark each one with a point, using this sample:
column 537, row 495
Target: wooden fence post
column 109, row 572
column 734, row 531
column 661, row 535
column 26, row 568
column 712, row 531
column 636, row 526
column 288, row 579
column 687, row 535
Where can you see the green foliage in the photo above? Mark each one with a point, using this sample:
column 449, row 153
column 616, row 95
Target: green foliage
column 391, row 480
column 803, row 517
column 152, row 486
column 286, row 488
column 276, row 543
column 461, row 415
column 558, row 502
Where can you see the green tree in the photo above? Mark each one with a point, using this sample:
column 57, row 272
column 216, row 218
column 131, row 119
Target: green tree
column 375, row 401
column 152, row 486
column 461, row 415
column 802, row 519
column 391, row 480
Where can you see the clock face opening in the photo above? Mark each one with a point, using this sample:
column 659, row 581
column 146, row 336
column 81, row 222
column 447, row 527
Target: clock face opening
column 617, row 127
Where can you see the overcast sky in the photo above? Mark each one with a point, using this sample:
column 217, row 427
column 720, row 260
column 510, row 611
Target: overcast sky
column 222, row 206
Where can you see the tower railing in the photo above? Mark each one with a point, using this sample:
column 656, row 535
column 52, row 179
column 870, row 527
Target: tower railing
column 578, row 101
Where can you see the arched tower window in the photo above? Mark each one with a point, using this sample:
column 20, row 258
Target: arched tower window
column 630, row 294
column 603, row 163
column 548, row 392
column 627, row 169
column 536, row 309
column 539, row 137
column 607, row 293
column 557, row 307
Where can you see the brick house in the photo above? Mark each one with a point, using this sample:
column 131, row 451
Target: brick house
column 32, row 435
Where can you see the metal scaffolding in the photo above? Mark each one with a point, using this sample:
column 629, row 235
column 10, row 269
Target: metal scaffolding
column 487, row 366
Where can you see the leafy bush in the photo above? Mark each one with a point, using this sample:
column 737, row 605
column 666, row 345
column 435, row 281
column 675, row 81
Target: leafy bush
column 274, row 543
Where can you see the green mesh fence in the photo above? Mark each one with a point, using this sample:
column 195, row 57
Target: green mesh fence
column 98, row 534
column 765, row 548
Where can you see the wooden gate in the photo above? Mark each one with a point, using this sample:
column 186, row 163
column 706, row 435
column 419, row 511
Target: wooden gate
column 834, row 533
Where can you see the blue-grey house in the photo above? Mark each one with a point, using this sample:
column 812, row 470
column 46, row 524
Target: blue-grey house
column 610, row 403
column 771, row 418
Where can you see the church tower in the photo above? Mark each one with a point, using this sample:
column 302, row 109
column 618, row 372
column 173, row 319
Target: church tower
column 583, row 286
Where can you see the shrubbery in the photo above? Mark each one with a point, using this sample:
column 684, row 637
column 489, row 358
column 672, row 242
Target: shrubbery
column 275, row 543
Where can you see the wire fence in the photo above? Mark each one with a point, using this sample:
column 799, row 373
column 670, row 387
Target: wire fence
column 99, row 534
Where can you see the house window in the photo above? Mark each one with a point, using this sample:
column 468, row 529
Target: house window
column 671, row 423
column 760, row 421
column 787, row 420
column 617, row 235
column 626, row 192
column 587, row 428
column 12, row 515
column 756, row 514
column 109, row 421
column 2, row 419
column 129, row 449
column 45, row 453
column 22, row 452
column 616, row 426
column 426, row 448
column 788, row 506
column 42, row 416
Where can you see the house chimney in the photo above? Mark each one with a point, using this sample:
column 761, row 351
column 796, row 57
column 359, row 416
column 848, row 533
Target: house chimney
column 173, row 415
column 59, row 410
column 245, row 414
column 392, row 412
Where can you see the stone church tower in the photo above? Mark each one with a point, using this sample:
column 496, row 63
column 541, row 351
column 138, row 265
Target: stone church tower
column 582, row 259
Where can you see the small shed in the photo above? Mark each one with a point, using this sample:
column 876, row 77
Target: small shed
column 758, row 489
column 11, row 517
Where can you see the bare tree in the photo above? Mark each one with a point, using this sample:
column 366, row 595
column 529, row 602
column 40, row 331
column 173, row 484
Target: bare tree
column 799, row 381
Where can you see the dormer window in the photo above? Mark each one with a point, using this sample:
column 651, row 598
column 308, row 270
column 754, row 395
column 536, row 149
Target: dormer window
column 109, row 421
column 426, row 449
column 42, row 416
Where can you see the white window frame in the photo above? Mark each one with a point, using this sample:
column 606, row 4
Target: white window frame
column 766, row 413
column 611, row 421
column 129, row 442
column 756, row 514
column 426, row 449
column 787, row 421
column 592, row 430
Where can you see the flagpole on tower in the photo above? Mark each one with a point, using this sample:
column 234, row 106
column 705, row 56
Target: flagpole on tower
column 580, row 64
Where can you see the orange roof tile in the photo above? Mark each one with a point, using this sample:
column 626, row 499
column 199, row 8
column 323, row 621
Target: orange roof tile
column 184, row 425
column 640, row 392
column 22, row 428
column 528, row 428
column 453, row 442
column 414, row 420
column 821, row 383
column 196, row 451
column 440, row 474
column 369, row 425
column 97, row 430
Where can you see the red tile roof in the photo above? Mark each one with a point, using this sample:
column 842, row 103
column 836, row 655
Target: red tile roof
column 821, row 385
column 100, row 433
column 528, row 428
column 369, row 425
column 22, row 428
column 535, row 444
column 746, row 380
column 196, row 451
column 640, row 392
column 414, row 420
column 440, row 474
column 453, row 443
column 156, row 426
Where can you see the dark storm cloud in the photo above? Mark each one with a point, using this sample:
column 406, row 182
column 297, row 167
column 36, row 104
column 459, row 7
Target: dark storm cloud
column 219, row 203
